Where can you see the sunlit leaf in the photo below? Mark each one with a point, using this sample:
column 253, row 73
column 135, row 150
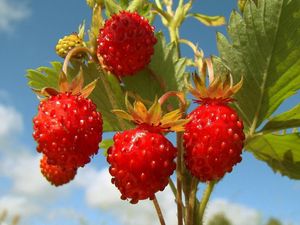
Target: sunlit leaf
column 289, row 119
column 281, row 152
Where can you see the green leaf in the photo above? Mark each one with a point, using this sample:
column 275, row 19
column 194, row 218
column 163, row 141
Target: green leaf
column 164, row 73
column 106, row 144
column 280, row 152
column 107, row 90
column 107, row 96
column 96, row 23
column 124, row 4
column 209, row 20
column 242, row 3
column 111, row 7
column 264, row 49
column 286, row 120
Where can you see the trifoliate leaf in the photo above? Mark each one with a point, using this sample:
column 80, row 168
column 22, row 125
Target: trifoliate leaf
column 263, row 47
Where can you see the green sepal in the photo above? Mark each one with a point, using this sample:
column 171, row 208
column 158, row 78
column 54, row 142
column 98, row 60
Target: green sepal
column 111, row 7
column 209, row 20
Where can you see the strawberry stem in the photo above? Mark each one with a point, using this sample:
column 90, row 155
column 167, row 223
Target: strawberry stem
column 179, row 170
column 158, row 211
column 177, row 94
column 172, row 186
column 73, row 52
column 205, row 198
column 191, row 202
column 179, row 167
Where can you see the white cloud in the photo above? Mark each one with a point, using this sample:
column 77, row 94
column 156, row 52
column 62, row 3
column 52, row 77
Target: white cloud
column 12, row 12
column 238, row 214
column 100, row 193
column 10, row 120
column 18, row 205
column 27, row 179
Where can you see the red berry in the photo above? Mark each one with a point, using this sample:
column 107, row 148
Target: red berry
column 213, row 140
column 55, row 174
column 126, row 43
column 68, row 130
column 141, row 162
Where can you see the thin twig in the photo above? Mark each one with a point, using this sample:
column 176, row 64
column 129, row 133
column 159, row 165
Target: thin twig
column 179, row 170
column 73, row 52
column 158, row 211
column 191, row 202
column 173, row 188
column 162, row 13
column 204, row 200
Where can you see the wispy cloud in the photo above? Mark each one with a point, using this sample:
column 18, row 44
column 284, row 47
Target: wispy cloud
column 12, row 12
column 238, row 214
column 10, row 120
column 100, row 193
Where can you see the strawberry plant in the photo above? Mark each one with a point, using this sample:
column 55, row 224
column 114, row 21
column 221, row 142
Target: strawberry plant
column 121, row 75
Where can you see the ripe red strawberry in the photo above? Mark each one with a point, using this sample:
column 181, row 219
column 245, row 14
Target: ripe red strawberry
column 68, row 129
column 142, row 159
column 141, row 162
column 213, row 139
column 126, row 43
column 56, row 175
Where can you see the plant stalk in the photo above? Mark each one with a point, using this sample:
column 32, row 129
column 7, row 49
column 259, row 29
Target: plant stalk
column 158, row 211
column 72, row 53
column 179, row 170
column 191, row 202
column 205, row 199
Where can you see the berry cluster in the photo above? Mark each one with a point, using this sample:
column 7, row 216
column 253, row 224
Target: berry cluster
column 68, row 127
column 68, row 130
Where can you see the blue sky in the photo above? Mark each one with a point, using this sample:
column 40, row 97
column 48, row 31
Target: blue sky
column 29, row 30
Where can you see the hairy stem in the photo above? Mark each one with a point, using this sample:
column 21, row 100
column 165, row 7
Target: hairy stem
column 191, row 202
column 174, row 37
column 161, row 12
column 204, row 200
column 73, row 52
column 179, row 170
column 158, row 211
column 173, row 188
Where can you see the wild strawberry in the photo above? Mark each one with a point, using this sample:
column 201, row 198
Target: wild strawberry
column 142, row 159
column 68, row 127
column 126, row 43
column 213, row 139
column 56, row 175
